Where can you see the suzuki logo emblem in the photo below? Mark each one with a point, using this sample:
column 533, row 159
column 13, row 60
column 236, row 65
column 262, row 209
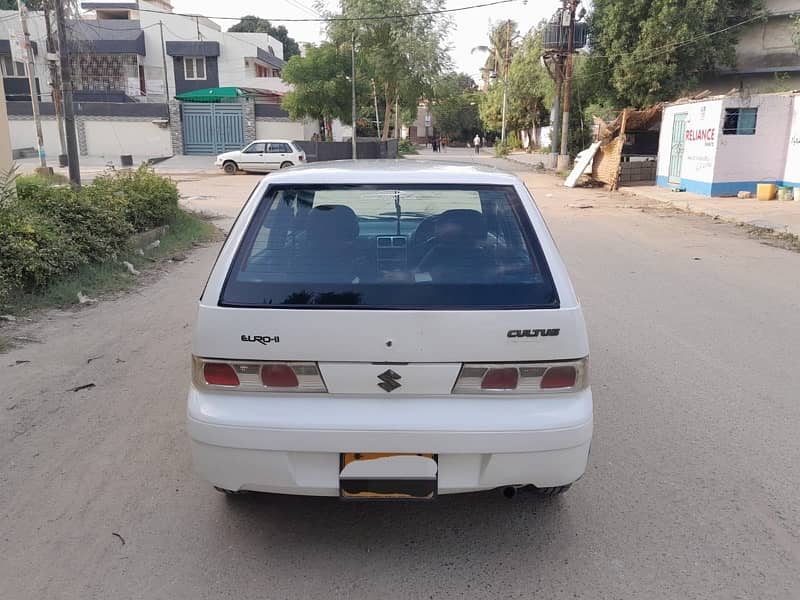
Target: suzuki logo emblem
column 389, row 381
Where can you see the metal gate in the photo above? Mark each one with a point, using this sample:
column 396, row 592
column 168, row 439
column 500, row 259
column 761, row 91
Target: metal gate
column 212, row 128
column 676, row 151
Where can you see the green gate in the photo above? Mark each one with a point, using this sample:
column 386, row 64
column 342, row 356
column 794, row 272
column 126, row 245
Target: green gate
column 212, row 128
column 676, row 150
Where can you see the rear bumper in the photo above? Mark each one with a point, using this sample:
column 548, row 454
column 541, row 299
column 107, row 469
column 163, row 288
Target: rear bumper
column 292, row 445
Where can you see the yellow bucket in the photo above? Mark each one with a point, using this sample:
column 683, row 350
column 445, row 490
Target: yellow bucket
column 766, row 191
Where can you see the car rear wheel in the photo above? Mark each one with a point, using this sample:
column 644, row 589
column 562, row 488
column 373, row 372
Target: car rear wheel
column 550, row 491
column 230, row 167
column 286, row 164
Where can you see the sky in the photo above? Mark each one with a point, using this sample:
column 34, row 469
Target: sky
column 470, row 27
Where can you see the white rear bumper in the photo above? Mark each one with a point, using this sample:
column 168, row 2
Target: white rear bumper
column 292, row 444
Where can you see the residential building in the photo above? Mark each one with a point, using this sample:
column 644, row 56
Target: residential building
column 124, row 97
column 726, row 144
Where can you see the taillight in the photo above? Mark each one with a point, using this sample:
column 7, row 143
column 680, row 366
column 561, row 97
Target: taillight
column 255, row 376
column 279, row 376
column 500, row 379
column 302, row 157
column 220, row 374
column 525, row 378
column 559, row 377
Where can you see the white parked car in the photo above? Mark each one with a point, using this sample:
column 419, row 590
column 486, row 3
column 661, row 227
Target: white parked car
column 390, row 329
column 261, row 156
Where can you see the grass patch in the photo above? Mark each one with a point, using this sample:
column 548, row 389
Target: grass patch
column 97, row 279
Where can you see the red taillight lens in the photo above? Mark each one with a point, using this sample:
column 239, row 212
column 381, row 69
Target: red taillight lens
column 302, row 157
column 279, row 376
column 500, row 379
column 559, row 377
column 220, row 374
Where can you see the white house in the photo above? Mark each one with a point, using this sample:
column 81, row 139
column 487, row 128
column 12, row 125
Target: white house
column 726, row 144
column 124, row 97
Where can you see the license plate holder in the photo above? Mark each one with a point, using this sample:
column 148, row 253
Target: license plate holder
column 388, row 476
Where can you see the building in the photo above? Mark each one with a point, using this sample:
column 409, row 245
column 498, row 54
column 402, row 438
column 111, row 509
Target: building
column 766, row 57
column 125, row 98
column 722, row 145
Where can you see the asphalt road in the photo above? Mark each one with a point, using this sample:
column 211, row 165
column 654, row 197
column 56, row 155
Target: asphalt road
column 692, row 489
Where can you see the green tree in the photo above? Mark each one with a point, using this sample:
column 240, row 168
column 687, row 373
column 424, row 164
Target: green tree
column 796, row 33
column 403, row 55
column 455, row 107
column 321, row 84
column 529, row 92
column 252, row 24
column 641, row 47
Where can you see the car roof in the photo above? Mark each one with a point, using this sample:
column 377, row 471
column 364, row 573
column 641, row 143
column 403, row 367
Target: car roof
column 271, row 140
column 393, row 171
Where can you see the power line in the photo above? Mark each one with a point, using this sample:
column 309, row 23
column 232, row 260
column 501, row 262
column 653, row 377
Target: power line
column 344, row 19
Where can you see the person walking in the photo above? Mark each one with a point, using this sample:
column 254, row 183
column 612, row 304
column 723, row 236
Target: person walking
column 477, row 143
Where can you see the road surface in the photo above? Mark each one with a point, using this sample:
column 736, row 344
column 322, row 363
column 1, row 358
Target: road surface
column 692, row 489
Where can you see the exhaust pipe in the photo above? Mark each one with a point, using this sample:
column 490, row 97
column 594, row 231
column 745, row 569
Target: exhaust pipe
column 509, row 491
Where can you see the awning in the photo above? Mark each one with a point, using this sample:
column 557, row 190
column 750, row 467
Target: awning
column 217, row 94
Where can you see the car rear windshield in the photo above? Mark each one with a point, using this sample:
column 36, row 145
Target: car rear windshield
column 390, row 247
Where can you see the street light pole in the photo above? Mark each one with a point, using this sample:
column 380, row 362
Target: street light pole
column 353, row 90
column 505, row 81
column 66, row 89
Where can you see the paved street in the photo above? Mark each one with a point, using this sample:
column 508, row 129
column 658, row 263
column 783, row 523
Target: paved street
column 691, row 492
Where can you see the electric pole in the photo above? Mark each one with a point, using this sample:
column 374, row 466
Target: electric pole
column 55, row 83
column 66, row 82
column 164, row 61
column 563, row 159
column 23, row 18
column 375, row 98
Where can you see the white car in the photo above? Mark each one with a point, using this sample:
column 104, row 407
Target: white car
column 390, row 329
column 261, row 156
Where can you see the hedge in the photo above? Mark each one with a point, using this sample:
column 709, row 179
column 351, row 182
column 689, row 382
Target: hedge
column 48, row 230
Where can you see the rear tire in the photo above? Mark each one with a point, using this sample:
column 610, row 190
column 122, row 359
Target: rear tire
column 230, row 168
column 286, row 164
column 551, row 491
column 228, row 493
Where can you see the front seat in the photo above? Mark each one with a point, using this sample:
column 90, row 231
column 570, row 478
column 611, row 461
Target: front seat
column 458, row 252
column 329, row 252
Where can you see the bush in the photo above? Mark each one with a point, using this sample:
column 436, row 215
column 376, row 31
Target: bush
column 406, row 147
column 47, row 231
column 501, row 149
column 150, row 200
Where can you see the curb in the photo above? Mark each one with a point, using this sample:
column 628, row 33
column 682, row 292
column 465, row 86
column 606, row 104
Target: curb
column 686, row 206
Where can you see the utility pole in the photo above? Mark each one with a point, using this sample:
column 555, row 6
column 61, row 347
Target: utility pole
column 353, row 89
column 563, row 158
column 55, row 83
column 505, row 81
column 164, row 62
column 66, row 82
column 23, row 18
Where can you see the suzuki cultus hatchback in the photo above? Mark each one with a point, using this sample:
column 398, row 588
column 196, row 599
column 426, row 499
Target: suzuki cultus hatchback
column 385, row 330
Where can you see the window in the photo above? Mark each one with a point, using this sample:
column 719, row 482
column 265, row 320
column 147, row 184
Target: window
column 254, row 148
column 277, row 148
column 194, row 67
column 262, row 71
column 390, row 246
column 740, row 121
column 13, row 68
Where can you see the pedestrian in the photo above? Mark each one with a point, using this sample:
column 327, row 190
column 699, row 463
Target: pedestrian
column 435, row 143
column 476, row 141
column 444, row 143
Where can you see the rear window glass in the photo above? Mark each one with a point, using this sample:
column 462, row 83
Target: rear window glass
column 401, row 247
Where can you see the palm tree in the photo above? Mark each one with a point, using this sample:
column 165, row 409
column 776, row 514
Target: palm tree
column 502, row 39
